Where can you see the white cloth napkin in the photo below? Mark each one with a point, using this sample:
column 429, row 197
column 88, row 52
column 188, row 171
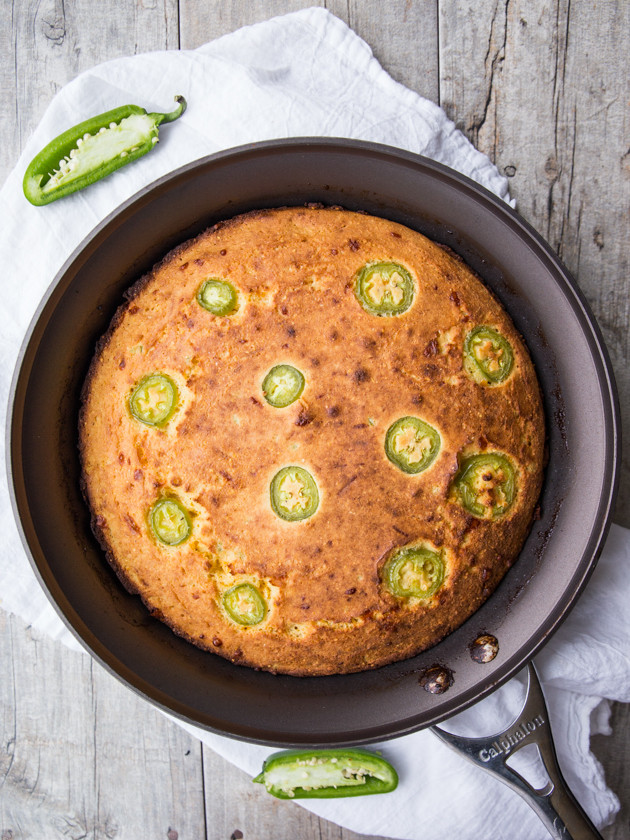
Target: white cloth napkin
column 298, row 75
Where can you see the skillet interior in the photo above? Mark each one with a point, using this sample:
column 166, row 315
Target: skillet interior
column 580, row 405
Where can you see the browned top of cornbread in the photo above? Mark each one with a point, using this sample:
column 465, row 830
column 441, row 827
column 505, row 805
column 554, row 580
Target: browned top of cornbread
column 328, row 605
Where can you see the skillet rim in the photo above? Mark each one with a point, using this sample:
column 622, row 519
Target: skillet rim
column 579, row 306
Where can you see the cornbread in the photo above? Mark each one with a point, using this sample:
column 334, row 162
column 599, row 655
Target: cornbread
column 312, row 441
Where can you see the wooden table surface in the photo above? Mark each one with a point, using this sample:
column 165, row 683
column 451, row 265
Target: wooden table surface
column 543, row 88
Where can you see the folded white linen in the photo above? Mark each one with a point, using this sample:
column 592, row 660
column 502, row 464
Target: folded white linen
column 308, row 74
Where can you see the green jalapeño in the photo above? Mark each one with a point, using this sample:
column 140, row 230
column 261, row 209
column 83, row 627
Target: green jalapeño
column 170, row 522
column 244, row 604
column 414, row 572
column 485, row 484
column 283, row 385
column 488, row 356
column 411, row 444
column 294, row 494
column 326, row 774
column 154, row 400
column 218, row 297
column 384, row 288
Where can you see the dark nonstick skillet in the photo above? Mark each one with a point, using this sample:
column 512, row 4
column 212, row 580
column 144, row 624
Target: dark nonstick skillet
column 580, row 405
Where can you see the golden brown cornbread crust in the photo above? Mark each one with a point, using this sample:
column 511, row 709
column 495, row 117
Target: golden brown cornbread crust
column 294, row 270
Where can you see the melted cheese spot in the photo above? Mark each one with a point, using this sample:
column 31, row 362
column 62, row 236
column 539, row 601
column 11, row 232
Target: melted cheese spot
column 378, row 287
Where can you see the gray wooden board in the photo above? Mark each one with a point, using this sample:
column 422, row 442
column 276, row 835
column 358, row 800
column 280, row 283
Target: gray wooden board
column 543, row 89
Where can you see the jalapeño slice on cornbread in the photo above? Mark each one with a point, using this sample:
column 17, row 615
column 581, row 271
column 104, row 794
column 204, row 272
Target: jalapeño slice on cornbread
column 384, row 288
column 218, row 296
column 244, row 604
column 487, row 355
column 154, row 399
column 411, row 444
column 294, row 494
column 312, row 441
column 170, row 522
column 414, row 572
column 283, row 385
column 486, row 484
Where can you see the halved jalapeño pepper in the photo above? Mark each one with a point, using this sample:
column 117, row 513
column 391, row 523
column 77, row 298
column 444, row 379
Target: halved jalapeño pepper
column 154, row 399
column 326, row 774
column 411, row 444
column 218, row 296
column 488, row 356
column 170, row 522
column 93, row 149
column 485, row 484
column 294, row 494
column 244, row 604
column 414, row 572
column 283, row 385
column 384, row 288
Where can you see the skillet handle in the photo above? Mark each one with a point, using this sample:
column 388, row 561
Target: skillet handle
column 555, row 804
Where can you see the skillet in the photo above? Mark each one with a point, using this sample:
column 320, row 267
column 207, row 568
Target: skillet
column 579, row 399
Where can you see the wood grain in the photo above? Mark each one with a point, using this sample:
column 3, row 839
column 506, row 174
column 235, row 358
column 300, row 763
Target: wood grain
column 84, row 757
column 547, row 101
column 403, row 37
column 542, row 88
column 387, row 27
column 46, row 44
column 201, row 22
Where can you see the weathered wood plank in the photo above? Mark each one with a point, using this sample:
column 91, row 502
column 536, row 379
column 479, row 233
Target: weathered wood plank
column 394, row 30
column 46, row 44
column 543, row 88
column 81, row 756
column 142, row 777
column 403, row 37
column 201, row 22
